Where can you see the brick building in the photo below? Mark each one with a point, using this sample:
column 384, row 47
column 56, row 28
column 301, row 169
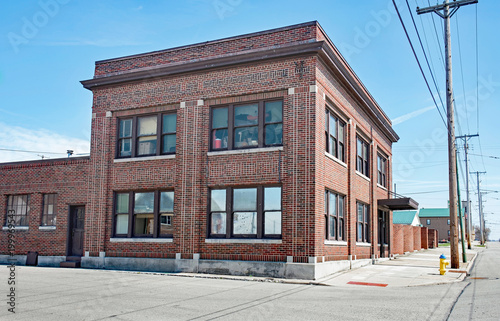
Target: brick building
column 258, row 154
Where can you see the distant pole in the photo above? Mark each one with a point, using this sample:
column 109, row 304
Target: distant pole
column 452, row 165
column 468, row 213
column 464, row 255
column 480, row 200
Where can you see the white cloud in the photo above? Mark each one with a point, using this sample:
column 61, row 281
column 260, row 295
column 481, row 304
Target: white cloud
column 411, row 115
column 38, row 142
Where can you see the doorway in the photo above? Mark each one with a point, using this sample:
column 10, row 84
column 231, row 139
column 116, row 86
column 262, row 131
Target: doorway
column 76, row 230
column 383, row 231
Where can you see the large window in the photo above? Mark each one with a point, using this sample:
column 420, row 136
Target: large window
column 335, row 135
column 147, row 135
column 363, row 226
column 49, row 210
column 335, row 214
column 382, row 170
column 18, row 209
column 144, row 214
column 245, row 212
column 362, row 157
column 245, row 126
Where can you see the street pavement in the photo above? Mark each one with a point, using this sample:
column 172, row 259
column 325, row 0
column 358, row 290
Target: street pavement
column 82, row 294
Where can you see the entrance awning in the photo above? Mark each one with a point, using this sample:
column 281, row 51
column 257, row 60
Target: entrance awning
column 402, row 203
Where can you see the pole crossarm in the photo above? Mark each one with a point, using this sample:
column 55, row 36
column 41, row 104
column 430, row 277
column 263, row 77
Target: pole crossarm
column 451, row 5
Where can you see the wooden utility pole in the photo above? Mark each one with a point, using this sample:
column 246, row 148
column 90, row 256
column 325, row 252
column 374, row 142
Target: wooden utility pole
column 480, row 201
column 468, row 214
column 446, row 14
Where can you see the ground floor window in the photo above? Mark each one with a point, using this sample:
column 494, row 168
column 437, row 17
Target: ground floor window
column 18, row 209
column 144, row 214
column 49, row 210
column 252, row 212
column 335, row 214
column 363, row 229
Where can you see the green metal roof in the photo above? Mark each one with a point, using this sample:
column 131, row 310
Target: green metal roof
column 403, row 217
column 435, row 212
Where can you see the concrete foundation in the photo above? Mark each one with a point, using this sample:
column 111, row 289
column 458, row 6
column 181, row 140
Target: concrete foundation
column 288, row 270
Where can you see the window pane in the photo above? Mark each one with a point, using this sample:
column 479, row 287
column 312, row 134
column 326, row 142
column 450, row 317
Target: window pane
column 122, row 203
column 341, row 132
column 341, row 229
column 274, row 112
column 144, row 202
column 272, row 223
column 246, row 136
column 245, row 199
column 333, row 126
column 359, row 149
column 144, row 224
column 341, row 206
column 169, row 143
column 274, row 134
column 360, row 232
column 166, row 224
column 218, row 225
column 333, row 146
column 333, row 204
column 125, row 128
column 218, row 200
column 246, row 115
column 245, row 223
column 167, row 202
column 272, row 198
column 121, row 224
column 169, row 123
column 341, row 152
column 125, row 147
column 146, row 145
column 219, row 138
column 360, row 212
column 146, row 126
column 219, row 118
column 333, row 226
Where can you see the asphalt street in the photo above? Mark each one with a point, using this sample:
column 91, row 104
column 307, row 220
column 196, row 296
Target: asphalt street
column 80, row 294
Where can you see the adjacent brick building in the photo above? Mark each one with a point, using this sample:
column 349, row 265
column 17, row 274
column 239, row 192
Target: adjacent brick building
column 258, row 154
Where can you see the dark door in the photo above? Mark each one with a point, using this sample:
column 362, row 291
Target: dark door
column 76, row 229
column 383, row 236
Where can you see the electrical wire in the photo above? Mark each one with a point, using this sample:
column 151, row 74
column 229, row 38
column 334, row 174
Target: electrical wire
column 461, row 73
column 419, row 65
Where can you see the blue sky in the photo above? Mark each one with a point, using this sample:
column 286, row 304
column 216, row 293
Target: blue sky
column 48, row 46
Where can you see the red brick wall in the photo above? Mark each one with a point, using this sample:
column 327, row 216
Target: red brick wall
column 424, row 237
column 68, row 178
column 408, row 238
column 417, row 241
column 398, row 239
column 433, row 238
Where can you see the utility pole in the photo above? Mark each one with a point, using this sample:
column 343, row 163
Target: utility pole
column 480, row 200
column 452, row 165
column 468, row 214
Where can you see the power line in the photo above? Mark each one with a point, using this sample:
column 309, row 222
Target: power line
column 494, row 157
column 36, row 152
column 419, row 65
column 461, row 74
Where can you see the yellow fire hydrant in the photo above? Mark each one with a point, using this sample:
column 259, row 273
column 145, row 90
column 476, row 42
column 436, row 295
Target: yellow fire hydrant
column 442, row 264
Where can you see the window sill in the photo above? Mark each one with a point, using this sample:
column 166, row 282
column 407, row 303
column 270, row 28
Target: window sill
column 17, row 228
column 46, row 228
column 327, row 154
column 245, row 241
column 382, row 187
column 363, row 244
column 245, row 151
column 363, row 175
column 146, row 158
column 331, row 242
column 140, row 240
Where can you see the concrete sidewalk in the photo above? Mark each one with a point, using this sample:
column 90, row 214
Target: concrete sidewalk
column 413, row 269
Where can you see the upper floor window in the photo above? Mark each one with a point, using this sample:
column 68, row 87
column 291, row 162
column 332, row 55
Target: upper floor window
column 382, row 170
column 18, row 209
column 363, row 230
column 428, row 222
column 335, row 214
column 335, row 135
column 245, row 212
column 245, row 126
column 362, row 157
column 147, row 135
column 448, row 222
column 49, row 210
column 144, row 214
